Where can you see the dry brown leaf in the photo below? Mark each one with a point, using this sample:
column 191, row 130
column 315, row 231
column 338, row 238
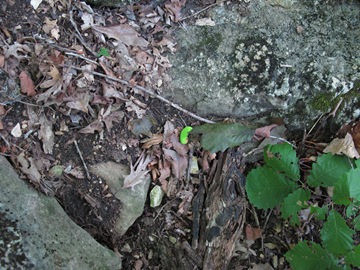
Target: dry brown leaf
column 137, row 172
column 355, row 133
column 116, row 117
column 28, row 167
column 174, row 7
column 178, row 163
column 2, row 60
column 344, row 146
column 252, row 233
column 263, row 132
column 50, row 27
column 46, row 134
column 27, row 85
column 155, row 139
column 123, row 33
column 19, row 51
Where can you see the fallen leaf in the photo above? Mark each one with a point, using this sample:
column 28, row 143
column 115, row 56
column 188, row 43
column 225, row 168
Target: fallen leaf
column 205, row 22
column 137, row 172
column 155, row 139
column 28, row 167
column 178, row 163
column 252, row 233
column 263, row 132
column 50, row 27
column 16, row 131
column 35, row 3
column 123, row 33
column 27, row 85
column 344, row 146
column 46, row 134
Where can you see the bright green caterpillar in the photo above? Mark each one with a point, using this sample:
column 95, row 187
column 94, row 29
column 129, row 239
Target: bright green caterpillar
column 184, row 134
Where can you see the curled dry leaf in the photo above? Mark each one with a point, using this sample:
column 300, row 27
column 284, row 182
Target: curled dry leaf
column 344, row 146
column 137, row 172
column 263, row 132
column 123, row 33
column 178, row 163
column 155, row 139
column 252, row 233
column 27, row 85
column 27, row 166
column 46, row 134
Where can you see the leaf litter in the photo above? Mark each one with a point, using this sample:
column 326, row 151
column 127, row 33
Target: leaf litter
column 68, row 102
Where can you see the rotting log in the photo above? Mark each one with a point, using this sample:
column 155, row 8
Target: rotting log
column 223, row 216
column 219, row 210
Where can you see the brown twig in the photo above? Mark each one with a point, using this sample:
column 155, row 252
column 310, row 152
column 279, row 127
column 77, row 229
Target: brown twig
column 202, row 10
column 82, row 160
column 148, row 91
column 78, row 35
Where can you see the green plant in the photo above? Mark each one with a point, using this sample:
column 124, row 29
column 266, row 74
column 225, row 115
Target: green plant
column 277, row 183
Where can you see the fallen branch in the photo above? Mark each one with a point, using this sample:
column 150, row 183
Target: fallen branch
column 148, row 91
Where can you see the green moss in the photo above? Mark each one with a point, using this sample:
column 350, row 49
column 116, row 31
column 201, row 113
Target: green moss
column 209, row 41
column 322, row 102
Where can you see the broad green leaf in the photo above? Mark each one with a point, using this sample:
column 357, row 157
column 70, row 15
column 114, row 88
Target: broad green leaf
column 293, row 203
column 103, row 52
column 319, row 212
column 328, row 169
column 356, row 223
column 347, row 188
column 353, row 257
column 353, row 209
column 353, row 178
column 220, row 136
column 267, row 188
column 336, row 235
column 342, row 191
column 303, row 257
column 282, row 157
column 357, row 163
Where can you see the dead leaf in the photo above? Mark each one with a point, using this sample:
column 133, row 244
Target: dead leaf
column 16, row 131
column 50, row 27
column 19, row 51
column 46, row 134
column 137, row 172
column 205, row 22
column 2, row 60
column 252, row 233
column 344, row 146
column 263, row 132
column 28, row 167
column 27, row 84
column 174, row 7
column 123, row 33
column 178, row 163
column 155, row 139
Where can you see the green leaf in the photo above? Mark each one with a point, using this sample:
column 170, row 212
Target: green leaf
column 327, row 170
column 336, row 235
column 103, row 52
column 266, row 188
column 353, row 209
column 220, row 136
column 303, row 257
column 357, row 163
column 282, row 157
column 342, row 191
column 353, row 257
column 320, row 212
column 356, row 223
column 293, row 203
column 353, row 178
column 347, row 188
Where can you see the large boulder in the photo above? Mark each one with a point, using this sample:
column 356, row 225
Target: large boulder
column 37, row 234
column 293, row 60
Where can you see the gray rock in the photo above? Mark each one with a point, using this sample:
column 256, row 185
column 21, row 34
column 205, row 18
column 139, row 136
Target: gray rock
column 132, row 200
column 37, row 234
column 262, row 60
column 111, row 3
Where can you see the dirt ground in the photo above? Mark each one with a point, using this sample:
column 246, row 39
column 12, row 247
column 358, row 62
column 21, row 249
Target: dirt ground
column 52, row 119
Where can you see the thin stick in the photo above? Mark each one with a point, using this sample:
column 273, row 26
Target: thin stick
column 78, row 35
column 82, row 160
column 82, row 57
column 202, row 10
column 148, row 91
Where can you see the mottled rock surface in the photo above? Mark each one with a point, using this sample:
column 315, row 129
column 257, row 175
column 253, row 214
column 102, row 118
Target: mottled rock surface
column 35, row 232
column 132, row 201
column 263, row 60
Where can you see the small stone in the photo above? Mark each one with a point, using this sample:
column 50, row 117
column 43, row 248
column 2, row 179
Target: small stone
column 16, row 131
column 156, row 196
